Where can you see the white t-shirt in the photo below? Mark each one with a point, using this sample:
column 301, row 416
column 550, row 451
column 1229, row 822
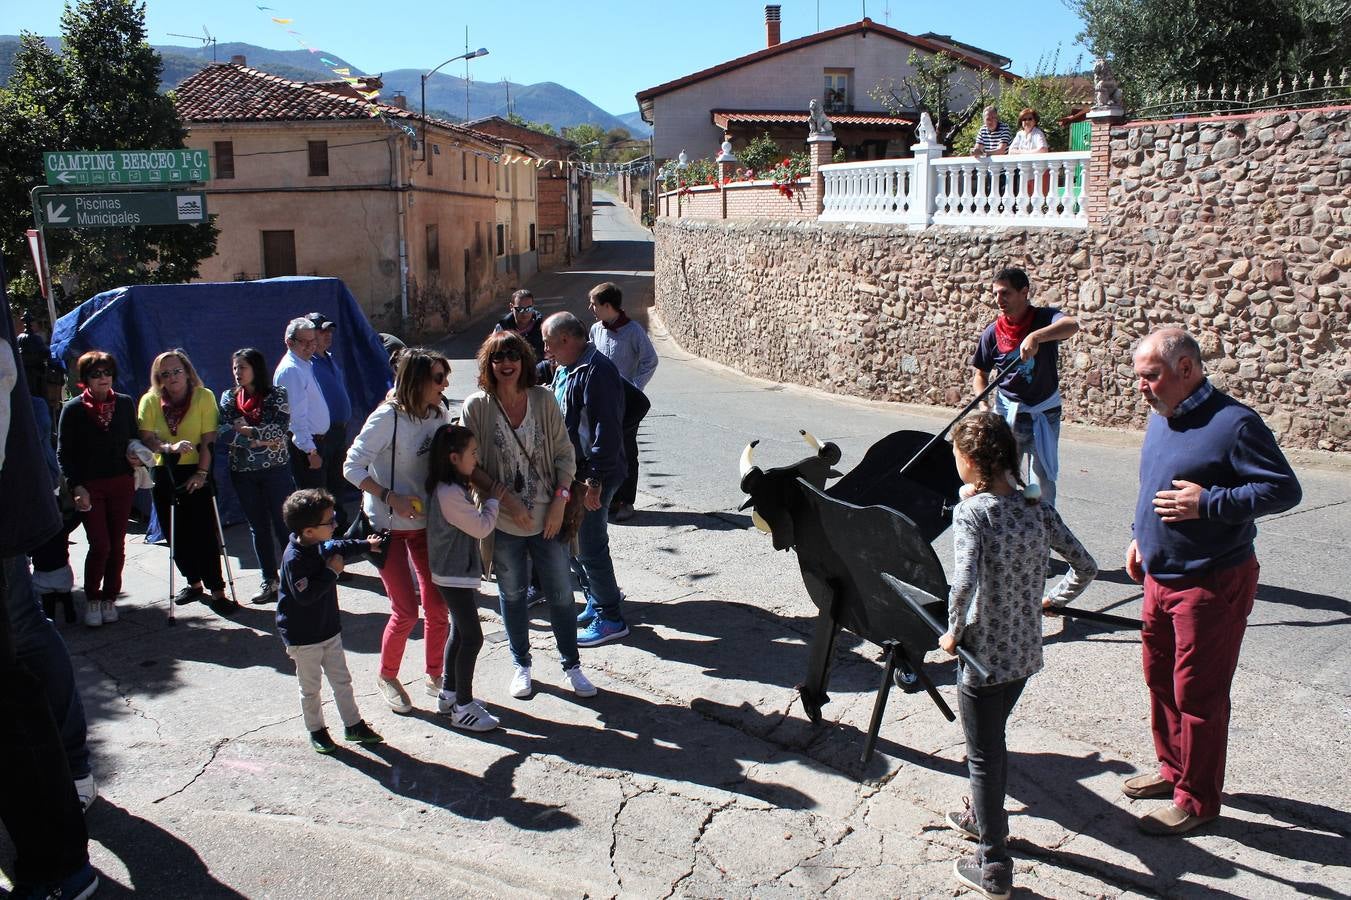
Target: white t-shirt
column 1033, row 141
column 518, row 470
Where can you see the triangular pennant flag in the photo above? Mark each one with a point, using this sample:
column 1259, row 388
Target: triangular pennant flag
column 326, row 61
column 281, row 21
column 345, row 70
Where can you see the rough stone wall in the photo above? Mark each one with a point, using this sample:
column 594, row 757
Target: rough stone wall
column 1236, row 228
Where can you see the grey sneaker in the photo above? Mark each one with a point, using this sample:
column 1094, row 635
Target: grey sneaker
column 994, row 881
column 963, row 821
column 395, row 695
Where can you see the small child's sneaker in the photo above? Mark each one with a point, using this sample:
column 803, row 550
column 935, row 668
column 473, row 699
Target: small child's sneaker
column 109, row 612
column 321, row 742
column 473, row 717
column 361, row 733
column 395, row 695
column 445, row 702
column 432, row 685
column 994, row 882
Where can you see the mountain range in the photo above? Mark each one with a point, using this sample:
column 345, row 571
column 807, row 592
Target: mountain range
column 543, row 102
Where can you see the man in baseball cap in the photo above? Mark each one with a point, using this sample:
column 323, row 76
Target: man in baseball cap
column 334, row 387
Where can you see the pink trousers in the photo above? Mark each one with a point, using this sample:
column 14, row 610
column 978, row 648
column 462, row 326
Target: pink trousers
column 405, row 546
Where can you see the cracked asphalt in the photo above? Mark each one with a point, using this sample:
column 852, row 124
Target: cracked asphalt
column 695, row 773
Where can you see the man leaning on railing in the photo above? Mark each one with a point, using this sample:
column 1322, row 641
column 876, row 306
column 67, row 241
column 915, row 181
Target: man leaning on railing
column 994, row 136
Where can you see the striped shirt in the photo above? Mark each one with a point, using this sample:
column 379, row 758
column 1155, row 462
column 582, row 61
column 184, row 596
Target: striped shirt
column 989, row 141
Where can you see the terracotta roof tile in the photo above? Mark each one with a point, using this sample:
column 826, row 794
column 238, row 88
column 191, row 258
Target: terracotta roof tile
column 724, row 117
column 226, row 92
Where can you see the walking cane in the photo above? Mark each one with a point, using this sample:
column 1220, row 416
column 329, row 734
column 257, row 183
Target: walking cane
column 173, row 530
column 225, row 554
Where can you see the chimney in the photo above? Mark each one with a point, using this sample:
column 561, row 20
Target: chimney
column 772, row 25
column 399, row 100
column 238, row 60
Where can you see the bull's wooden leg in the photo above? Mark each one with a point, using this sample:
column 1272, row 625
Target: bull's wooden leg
column 894, row 654
column 813, row 689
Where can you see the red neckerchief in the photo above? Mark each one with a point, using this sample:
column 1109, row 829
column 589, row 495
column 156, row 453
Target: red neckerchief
column 620, row 321
column 173, row 415
column 1009, row 334
column 250, row 407
column 101, row 411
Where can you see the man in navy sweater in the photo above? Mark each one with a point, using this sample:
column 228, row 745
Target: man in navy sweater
column 1209, row 468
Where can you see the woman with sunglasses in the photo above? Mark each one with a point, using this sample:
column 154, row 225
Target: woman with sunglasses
column 389, row 462
column 255, row 419
column 177, row 419
column 524, row 445
column 93, row 439
column 1030, row 138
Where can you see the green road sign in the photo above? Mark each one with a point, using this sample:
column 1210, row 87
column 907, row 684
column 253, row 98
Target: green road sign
column 144, row 168
column 120, row 210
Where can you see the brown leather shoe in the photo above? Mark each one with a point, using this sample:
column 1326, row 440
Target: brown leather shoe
column 1145, row 787
column 1172, row 820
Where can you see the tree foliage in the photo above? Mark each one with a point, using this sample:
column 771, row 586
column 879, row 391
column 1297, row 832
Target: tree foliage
column 1159, row 45
column 541, row 127
column 1052, row 94
column 935, row 84
column 100, row 93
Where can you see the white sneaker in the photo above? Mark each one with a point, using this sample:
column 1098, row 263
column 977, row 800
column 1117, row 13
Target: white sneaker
column 581, row 685
column 473, row 717
column 395, row 695
column 109, row 612
column 445, row 702
column 93, row 613
column 87, row 791
column 432, row 686
column 521, row 685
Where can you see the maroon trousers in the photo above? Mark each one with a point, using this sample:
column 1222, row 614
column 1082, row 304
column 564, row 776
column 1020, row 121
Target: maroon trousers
column 1193, row 629
column 106, row 526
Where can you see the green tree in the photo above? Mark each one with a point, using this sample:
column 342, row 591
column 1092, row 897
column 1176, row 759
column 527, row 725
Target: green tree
column 100, row 93
column 1160, row 45
column 541, row 127
column 1054, row 96
column 584, row 134
column 935, row 84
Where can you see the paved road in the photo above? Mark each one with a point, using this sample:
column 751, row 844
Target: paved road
column 695, row 773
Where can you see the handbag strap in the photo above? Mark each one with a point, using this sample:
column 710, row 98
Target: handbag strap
column 530, row 460
column 393, row 455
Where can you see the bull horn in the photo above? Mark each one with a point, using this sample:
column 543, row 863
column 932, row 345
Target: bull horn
column 746, row 463
column 811, row 440
column 760, row 523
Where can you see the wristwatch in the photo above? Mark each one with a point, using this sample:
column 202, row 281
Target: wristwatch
column 564, row 493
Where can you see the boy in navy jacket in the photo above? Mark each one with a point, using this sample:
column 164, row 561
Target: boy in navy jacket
column 307, row 614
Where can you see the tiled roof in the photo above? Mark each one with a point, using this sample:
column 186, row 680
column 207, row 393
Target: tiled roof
column 725, row 117
column 227, row 92
column 863, row 26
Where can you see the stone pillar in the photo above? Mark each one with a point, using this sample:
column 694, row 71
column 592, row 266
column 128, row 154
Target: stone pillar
column 820, row 149
column 726, row 169
column 1107, row 111
column 927, row 149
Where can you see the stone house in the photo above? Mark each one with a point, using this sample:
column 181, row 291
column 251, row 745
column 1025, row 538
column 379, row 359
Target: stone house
column 769, row 90
column 563, row 191
column 305, row 180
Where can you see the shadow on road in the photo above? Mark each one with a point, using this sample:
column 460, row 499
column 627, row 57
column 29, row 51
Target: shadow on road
column 159, row 864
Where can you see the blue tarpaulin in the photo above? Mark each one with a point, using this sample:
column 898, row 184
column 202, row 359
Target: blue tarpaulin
column 210, row 322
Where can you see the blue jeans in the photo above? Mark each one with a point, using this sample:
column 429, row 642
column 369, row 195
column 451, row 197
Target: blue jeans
column 39, row 648
column 513, row 559
column 593, row 552
column 261, row 494
column 1022, row 432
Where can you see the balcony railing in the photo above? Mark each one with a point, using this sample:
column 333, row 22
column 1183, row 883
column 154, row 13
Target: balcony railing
column 1025, row 191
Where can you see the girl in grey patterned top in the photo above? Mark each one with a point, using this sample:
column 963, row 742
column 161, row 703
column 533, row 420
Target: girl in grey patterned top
column 1002, row 536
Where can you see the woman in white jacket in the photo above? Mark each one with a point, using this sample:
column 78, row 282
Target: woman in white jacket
column 389, row 462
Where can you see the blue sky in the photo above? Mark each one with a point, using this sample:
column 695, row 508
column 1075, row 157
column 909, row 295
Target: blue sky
column 606, row 51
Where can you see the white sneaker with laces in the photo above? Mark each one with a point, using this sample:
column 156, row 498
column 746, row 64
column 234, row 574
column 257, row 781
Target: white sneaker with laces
column 87, row 790
column 445, row 702
column 473, row 717
column 581, row 685
column 521, row 684
column 93, row 613
column 432, row 686
column 109, row 612
column 395, row 695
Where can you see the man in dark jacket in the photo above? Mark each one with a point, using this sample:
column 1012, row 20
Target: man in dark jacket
column 38, row 802
column 591, row 395
column 1209, row 468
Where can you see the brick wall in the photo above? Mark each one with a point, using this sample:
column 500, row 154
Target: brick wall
column 1238, row 228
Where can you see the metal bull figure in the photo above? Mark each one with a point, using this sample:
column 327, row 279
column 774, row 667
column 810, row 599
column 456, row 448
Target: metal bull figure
column 869, row 522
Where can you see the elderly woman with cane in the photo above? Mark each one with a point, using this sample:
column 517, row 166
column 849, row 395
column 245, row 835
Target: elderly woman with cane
column 178, row 418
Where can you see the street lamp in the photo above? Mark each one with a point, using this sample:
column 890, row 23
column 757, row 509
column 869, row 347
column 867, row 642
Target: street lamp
column 473, row 54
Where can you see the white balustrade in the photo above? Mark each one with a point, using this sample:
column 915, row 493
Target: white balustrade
column 1027, row 191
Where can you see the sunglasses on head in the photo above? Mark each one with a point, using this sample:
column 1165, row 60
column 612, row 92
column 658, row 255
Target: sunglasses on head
column 508, row 355
column 170, row 373
column 101, row 373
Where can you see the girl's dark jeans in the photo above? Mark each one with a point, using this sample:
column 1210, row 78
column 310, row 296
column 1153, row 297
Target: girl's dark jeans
column 984, row 711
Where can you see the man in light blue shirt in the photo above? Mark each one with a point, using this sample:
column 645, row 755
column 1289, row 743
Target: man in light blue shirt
column 626, row 344
column 334, row 387
column 309, row 409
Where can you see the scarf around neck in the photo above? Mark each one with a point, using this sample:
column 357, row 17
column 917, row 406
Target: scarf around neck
column 101, row 411
column 174, row 413
column 620, row 321
column 1009, row 334
column 250, row 406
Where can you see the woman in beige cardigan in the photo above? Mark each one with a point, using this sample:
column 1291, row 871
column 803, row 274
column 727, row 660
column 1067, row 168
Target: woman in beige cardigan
column 524, row 445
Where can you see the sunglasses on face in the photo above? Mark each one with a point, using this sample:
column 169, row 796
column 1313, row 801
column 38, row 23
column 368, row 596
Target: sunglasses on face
column 508, row 355
column 440, row 377
column 101, row 373
column 169, row 373
column 1028, row 119
column 523, row 309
